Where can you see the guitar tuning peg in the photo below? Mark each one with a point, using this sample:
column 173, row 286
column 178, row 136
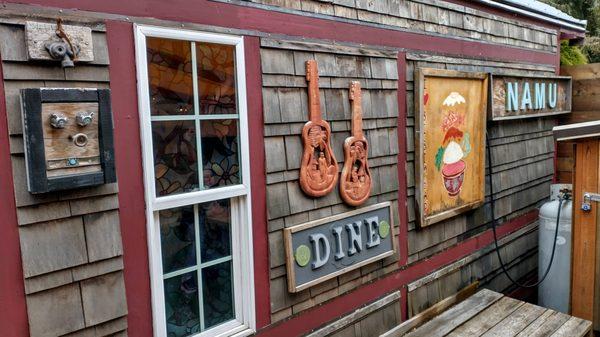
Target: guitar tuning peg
column 354, row 88
column 312, row 70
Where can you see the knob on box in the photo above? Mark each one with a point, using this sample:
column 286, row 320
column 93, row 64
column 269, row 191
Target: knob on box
column 68, row 138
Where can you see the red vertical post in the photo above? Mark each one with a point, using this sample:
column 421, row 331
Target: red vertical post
column 258, row 181
column 128, row 161
column 13, row 309
column 402, row 183
column 402, row 151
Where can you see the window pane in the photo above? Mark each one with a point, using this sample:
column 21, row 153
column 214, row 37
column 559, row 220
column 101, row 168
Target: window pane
column 178, row 238
column 215, row 223
column 170, row 76
column 175, row 157
column 217, row 294
column 182, row 305
column 220, row 158
column 216, row 78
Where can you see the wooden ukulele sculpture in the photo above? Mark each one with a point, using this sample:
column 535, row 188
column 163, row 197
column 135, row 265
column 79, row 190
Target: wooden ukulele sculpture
column 318, row 169
column 355, row 186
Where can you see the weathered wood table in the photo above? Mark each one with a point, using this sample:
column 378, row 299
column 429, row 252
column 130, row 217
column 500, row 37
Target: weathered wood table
column 488, row 313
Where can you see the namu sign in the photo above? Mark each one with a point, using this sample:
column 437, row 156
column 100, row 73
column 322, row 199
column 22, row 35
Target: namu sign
column 516, row 97
column 323, row 249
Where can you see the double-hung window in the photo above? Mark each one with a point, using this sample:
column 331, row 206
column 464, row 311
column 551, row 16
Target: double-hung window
column 193, row 114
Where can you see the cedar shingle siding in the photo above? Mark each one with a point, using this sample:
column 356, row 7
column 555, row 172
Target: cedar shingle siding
column 70, row 241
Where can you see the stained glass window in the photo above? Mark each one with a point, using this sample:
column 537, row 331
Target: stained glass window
column 193, row 105
column 194, row 124
column 192, row 306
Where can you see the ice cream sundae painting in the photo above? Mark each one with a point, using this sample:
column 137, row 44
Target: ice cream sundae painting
column 455, row 146
column 450, row 134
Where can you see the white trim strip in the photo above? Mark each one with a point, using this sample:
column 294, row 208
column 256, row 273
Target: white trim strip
column 180, row 272
column 570, row 22
column 171, row 118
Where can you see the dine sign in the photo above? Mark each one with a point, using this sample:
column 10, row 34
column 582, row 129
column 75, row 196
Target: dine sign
column 320, row 250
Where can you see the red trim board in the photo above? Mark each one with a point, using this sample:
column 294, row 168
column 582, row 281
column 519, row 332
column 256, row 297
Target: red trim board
column 402, row 153
column 275, row 22
column 13, row 308
column 131, row 185
column 344, row 304
column 258, row 181
column 128, row 161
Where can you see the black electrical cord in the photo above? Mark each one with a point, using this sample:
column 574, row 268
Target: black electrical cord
column 492, row 202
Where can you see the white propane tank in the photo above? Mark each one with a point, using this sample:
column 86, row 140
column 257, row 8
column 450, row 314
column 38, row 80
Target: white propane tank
column 554, row 292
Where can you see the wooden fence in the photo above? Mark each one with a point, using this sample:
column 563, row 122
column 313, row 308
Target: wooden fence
column 586, row 107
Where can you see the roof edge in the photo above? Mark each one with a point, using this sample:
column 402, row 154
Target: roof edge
column 538, row 10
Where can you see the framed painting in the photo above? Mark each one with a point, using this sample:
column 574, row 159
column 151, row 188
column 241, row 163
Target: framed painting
column 451, row 112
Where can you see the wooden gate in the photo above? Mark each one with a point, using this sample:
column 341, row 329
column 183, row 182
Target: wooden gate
column 579, row 163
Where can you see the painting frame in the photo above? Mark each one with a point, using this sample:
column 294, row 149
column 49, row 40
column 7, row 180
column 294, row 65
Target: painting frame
column 421, row 74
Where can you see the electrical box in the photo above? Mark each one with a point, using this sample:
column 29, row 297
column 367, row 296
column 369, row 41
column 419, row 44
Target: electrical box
column 68, row 136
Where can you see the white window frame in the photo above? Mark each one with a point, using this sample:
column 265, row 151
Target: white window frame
column 244, row 322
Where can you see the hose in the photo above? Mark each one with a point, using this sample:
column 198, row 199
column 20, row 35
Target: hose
column 492, row 202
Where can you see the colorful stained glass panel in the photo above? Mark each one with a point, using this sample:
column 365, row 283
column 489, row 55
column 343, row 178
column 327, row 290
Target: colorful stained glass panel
column 178, row 238
column 215, row 234
column 170, row 77
column 216, row 78
column 182, row 305
column 217, row 294
column 220, row 156
column 175, row 157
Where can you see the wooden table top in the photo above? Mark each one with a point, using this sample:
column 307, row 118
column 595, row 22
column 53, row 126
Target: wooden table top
column 488, row 313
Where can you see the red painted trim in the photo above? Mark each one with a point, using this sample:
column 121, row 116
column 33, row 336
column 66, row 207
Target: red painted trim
column 567, row 34
column 128, row 160
column 249, row 18
column 404, row 303
column 344, row 304
column 402, row 176
column 402, row 153
column 258, row 181
column 131, row 185
column 13, row 308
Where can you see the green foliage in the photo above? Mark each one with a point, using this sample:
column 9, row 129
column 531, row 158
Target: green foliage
column 581, row 9
column 571, row 55
column 591, row 49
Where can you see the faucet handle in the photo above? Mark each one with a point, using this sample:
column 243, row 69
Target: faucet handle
column 58, row 121
column 84, row 118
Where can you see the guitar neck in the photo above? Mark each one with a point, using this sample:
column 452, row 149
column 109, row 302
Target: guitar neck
column 314, row 99
column 356, row 103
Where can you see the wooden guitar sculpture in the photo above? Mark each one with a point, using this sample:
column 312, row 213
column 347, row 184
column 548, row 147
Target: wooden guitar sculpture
column 355, row 187
column 318, row 169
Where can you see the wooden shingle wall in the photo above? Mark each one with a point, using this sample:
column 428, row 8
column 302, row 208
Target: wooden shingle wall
column 70, row 241
column 522, row 154
column 522, row 157
column 285, row 113
column 519, row 253
column 523, row 168
column 371, row 319
column 432, row 17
